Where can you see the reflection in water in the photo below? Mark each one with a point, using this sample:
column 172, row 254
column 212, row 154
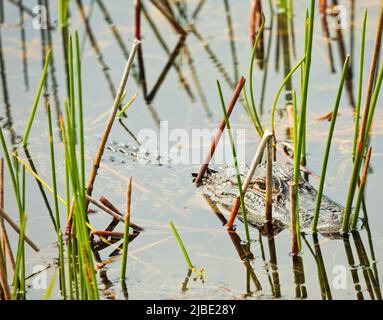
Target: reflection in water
column 124, row 290
column 8, row 121
column 108, row 289
column 243, row 250
column 321, row 269
column 326, row 35
column 213, row 57
column 184, row 287
column 283, row 35
column 232, row 40
column 371, row 281
column 323, row 279
column 23, row 46
column 197, row 82
column 137, row 35
column 343, row 54
column 39, row 185
column 299, row 278
column 44, row 52
column 4, row 85
column 183, row 81
column 96, row 48
column 166, row 69
column 354, row 271
column 266, row 69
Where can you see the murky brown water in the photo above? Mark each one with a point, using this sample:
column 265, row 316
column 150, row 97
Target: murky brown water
column 156, row 267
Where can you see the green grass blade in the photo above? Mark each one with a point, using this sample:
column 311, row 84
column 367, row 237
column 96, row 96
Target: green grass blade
column 19, row 257
column 359, row 155
column 126, row 232
column 71, row 88
column 125, row 248
column 37, row 98
column 180, row 243
column 63, row 13
column 51, row 285
column 287, row 78
column 10, row 169
column 328, row 146
column 56, row 204
column 302, row 122
column 360, row 84
column 250, row 113
column 127, row 105
column 257, row 39
column 80, row 109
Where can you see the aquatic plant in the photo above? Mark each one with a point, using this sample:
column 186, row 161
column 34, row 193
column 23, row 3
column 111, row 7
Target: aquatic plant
column 182, row 246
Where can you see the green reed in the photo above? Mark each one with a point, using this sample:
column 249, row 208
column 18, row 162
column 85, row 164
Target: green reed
column 19, row 193
column 19, row 280
column 254, row 114
column 287, row 78
column 10, row 170
column 360, row 83
column 125, row 247
column 22, row 216
column 126, row 106
column 302, row 114
column 290, row 9
column 282, row 4
column 37, row 98
column 63, row 12
column 372, row 94
column 56, row 205
column 72, row 268
column 88, row 283
column 71, row 86
column 328, row 145
column 360, row 154
column 81, row 271
column 181, row 244
column 82, row 268
column 306, row 42
column 51, row 285
column 234, row 152
column 295, row 120
column 126, row 232
column 271, row 7
column 80, row 109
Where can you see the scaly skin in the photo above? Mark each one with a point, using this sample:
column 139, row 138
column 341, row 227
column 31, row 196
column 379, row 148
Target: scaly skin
column 222, row 188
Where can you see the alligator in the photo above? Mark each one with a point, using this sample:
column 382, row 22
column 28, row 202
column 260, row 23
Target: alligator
column 221, row 187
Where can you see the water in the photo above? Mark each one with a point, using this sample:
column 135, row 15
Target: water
column 163, row 193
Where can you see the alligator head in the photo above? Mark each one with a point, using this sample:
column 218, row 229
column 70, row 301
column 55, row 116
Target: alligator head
column 222, row 188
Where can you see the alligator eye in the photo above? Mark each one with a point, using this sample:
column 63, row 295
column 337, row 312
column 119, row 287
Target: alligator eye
column 261, row 184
